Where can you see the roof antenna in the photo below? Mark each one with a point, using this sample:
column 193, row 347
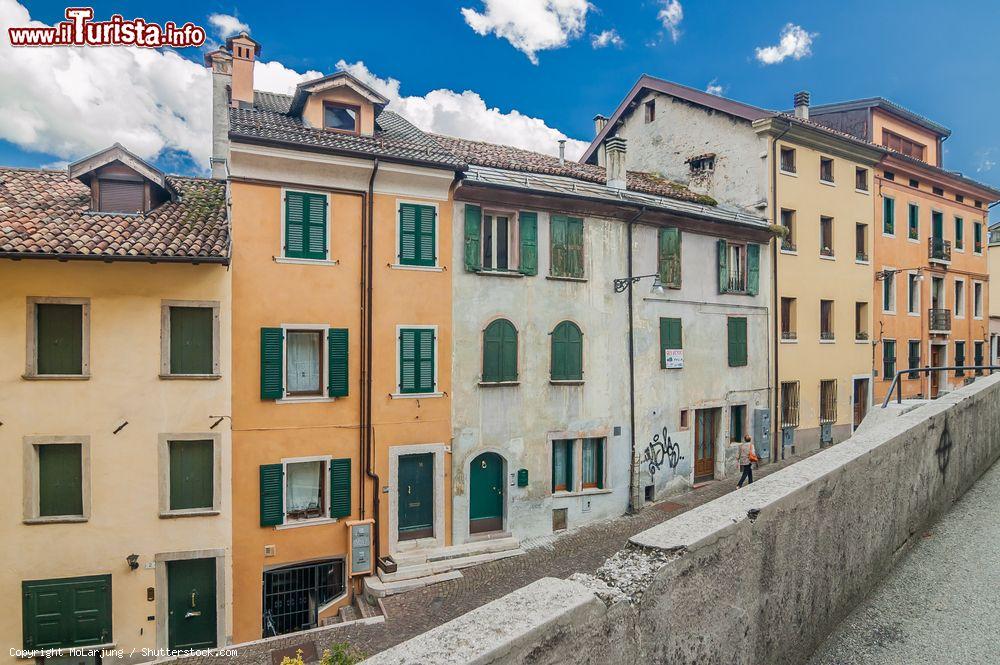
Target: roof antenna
column 562, row 152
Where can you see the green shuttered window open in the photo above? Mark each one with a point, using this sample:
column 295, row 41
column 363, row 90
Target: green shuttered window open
column 528, row 233
column 753, row 269
column 888, row 215
column 500, row 352
column 416, row 361
column 337, row 361
column 305, row 225
column 473, row 249
column 567, row 352
column 59, row 343
column 417, row 235
column 60, row 480
column 272, row 503
column 340, row 487
column 191, row 332
column 271, row 353
column 192, row 470
column 566, row 241
column 66, row 613
column 272, row 360
column 669, row 257
column 737, row 337
column 670, row 338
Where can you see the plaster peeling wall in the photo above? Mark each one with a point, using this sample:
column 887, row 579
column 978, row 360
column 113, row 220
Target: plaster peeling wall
column 682, row 130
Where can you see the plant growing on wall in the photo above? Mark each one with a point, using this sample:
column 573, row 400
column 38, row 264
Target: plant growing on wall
column 339, row 653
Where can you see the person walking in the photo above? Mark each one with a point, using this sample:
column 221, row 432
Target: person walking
column 746, row 457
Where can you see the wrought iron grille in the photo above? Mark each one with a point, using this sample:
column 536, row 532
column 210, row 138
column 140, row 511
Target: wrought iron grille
column 293, row 595
column 939, row 319
column 828, row 401
column 939, row 249
column 737, row 280
column 790, row 404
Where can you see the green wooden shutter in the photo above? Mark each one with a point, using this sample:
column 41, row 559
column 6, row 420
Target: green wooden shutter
column 425, row 369
column 407, row 361
column 417, row 235
column 574, row 247
column 500, row 351
column 337, row 362
column 192, row 471
column 737, row 335
column 60, row 479
column 271, row 352
column 191, row 335
column 473, row 226
column 305, row 225
column 272, row 501
column 295, row 225
column 416, row 360
column 316, row 233
column 669, row 256
column 753, row 268
column 528, row 232
column 66, row 613
column 567, row 352
column 888, row 215
column 599, row 461
column 59, row 338
column 407, row 234
column 670, row 337
column 340, row 487
column 558, row 253
column 508, row 352
column 723, row 266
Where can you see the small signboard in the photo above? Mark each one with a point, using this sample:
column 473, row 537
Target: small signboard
column 673, row 358
column 361, row 561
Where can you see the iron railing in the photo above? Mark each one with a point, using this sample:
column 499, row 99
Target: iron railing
column 939, row 320
column 788, row 334
column 737, row 281
column 938, row 249
column 293, row 595
column 897, row 385
column 861, row 256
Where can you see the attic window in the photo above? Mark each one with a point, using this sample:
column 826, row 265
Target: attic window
column 341, row 117
column 702, row 164
column 650, row 108
column 125, row 196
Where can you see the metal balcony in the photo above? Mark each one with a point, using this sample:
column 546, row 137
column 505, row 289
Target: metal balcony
column 939, row 250
column 939, row 320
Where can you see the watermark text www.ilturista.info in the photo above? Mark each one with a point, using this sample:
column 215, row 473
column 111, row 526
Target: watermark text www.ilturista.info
column 79, row 29
column 107, row 653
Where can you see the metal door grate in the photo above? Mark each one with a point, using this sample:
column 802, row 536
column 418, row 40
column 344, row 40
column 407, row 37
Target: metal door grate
column 293, row 595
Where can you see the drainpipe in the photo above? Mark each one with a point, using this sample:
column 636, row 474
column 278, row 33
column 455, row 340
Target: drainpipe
column 776, row 442
column 367, row 448
column 633, row 494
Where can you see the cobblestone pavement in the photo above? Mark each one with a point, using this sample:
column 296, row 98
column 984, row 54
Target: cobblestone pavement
column 941, row 604
column 581, row 550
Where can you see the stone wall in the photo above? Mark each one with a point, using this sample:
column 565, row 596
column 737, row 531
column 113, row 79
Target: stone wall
column 758, row 576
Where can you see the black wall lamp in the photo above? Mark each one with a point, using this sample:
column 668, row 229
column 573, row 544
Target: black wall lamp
column 133, row 561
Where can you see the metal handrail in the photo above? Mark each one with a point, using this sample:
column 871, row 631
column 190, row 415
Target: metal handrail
column 898, row 386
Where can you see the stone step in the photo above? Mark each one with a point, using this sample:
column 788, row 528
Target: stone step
column 439, row 566
column 348, row 613
column 380, row 589
column 365, row 609
column 456, row 551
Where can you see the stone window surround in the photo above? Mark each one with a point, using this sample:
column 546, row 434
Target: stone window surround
column 162, row 585
column 31, row 339
column 577, row 437
column 165, row 306
column 163, row 459
column 30, row 495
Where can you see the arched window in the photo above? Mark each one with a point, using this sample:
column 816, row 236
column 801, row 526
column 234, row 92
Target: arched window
column 567, row 352
column 500, row 352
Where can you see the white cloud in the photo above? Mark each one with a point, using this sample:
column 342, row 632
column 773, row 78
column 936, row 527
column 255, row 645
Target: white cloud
column 530, row 25
column 275, row 77
column 795, row 43
column 607, row 38
column 226, row 25
column 715, row 88
column 671, row 15
column 466, row 115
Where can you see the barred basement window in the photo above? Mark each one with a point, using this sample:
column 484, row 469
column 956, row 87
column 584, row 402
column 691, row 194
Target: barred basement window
column 790, row 404
column 828, row 401
column 293, row 595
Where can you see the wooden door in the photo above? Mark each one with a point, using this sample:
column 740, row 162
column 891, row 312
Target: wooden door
column 486, row 494
column 860, row 401
column 706, row 425
column 936, row 361
column 416, row 496
column 191, row 620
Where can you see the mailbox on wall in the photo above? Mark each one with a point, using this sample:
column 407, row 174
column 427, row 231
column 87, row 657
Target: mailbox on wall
column 362, row 555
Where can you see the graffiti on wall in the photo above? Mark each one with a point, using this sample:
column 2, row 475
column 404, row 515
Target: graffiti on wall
column 659, row 451
column 943, row 451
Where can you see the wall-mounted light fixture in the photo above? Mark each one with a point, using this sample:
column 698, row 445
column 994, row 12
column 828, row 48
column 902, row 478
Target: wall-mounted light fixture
column 133, row 561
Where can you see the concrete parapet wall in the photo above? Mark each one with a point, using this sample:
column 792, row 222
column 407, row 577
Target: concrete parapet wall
column 757, row 576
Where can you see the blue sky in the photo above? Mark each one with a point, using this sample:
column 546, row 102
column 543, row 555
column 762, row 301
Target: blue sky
column 937, row 59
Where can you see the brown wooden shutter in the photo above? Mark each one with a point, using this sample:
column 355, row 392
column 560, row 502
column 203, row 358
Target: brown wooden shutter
column 121, row 196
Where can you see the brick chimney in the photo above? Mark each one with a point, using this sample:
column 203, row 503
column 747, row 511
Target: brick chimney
column 221, row 64
column 244, row 51
column 614, row 148
column 802, row 105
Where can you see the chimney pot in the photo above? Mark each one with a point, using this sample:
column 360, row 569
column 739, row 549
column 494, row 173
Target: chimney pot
column 802, row 105
column 614, row 148
column 562, row 152
column 599, row 122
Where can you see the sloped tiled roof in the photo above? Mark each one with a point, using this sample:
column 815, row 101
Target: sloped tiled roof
column 518, row 159
column 44, row 212
column 395, row 138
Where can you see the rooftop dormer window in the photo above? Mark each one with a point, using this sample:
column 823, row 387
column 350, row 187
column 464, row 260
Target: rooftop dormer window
column 341, row 117
column 120, row 195
column 120, row 182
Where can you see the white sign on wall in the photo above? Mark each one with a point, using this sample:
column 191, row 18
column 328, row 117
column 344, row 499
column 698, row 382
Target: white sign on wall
column 673, row 358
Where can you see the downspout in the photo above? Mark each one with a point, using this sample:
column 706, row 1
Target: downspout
column 777, row 442
column 367, row 449
column 633, row 494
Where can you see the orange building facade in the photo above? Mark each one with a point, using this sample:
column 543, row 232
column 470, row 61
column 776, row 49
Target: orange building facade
column 931, row 277
column 341, row 222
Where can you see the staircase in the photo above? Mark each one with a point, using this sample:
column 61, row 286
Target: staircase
column 422, row 567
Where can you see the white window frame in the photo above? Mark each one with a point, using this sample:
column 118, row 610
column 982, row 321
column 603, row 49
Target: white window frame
column 913, row 305
column 165, row 306
column 324, row 359
column 396, row 394
column 31, row 339
column 280, row 256
column 513, row 239
column 163, row 454
column 287, row 523
column 31, row 498
column 396, row 264
column 958, row 310
column 977, row 299
column 892, row 292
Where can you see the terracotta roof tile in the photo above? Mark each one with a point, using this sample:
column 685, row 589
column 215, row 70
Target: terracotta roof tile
column 45, row 212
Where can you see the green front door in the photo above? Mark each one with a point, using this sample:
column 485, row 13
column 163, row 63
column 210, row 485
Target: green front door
column 486, row 493
column 191, row 604
column 416, row 496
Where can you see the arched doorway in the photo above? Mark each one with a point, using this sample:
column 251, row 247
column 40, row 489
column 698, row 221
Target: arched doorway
column 486, row 488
